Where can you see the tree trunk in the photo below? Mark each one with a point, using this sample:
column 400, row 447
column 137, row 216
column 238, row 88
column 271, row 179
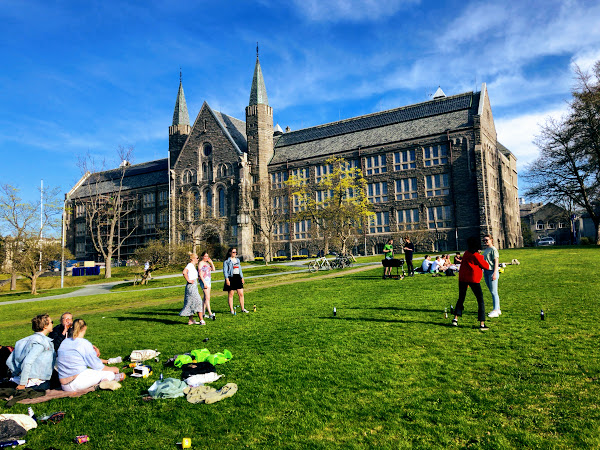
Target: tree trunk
column 34, row 284
column 146, row 276
column 13, row 281
column 108, row 265
column 597, row 232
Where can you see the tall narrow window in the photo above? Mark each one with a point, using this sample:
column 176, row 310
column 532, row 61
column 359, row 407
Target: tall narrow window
column 209, row 203
column 221, row 202
column 377, row 192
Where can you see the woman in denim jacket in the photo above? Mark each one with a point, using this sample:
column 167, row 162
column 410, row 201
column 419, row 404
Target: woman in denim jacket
column 234, row 279
column 32, row 361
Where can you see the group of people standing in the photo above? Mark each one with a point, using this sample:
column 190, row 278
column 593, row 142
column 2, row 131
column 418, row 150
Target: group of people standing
column 472, row 266
column 59, row 356
column 475, row 266
column 193, row 303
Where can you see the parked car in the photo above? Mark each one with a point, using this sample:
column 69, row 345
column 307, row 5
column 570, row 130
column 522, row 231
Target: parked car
column 545, row 241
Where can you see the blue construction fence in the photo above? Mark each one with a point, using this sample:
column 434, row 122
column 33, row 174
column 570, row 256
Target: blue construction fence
column 80, row 271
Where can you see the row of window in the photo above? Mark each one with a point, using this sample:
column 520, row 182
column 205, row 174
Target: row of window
column 375, row 164
column 406, row 188
column 191, row 176
column 541, row 225
column 407, row 219
column 194, row 206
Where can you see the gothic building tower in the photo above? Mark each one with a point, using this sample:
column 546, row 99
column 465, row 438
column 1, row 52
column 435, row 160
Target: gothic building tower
column 180, row 129
column 259, row 133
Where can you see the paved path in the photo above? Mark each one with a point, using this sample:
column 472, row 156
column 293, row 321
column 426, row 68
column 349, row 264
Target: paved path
column 105, row 288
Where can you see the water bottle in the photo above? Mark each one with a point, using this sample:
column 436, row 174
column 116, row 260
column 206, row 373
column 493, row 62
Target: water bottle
column 161, row 377
column 235, row 310
column 13, row 444
column 334, row 312
column 445, row 313
column 254, row 308
column 451, row 309
column 542, row 315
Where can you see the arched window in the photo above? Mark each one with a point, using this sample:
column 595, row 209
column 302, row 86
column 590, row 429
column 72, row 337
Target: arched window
column 209, row 203
column 189, row 176
column 210, row 171
column 221, row 202
column 207, row 149
column 204, row 171
column 196, row 205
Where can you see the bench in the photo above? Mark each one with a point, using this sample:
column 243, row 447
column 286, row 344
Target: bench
column 397, row 263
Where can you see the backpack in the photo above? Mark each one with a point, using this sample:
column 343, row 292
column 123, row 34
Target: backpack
column 450, row 273
column 4, row 354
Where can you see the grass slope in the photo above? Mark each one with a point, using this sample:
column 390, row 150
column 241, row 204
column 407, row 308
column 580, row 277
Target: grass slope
column 388, row 371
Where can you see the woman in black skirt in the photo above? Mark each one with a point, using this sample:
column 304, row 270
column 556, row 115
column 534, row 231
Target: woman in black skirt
column 234, row 279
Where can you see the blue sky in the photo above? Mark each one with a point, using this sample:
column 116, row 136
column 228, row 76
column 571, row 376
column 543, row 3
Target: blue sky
column 91, row 76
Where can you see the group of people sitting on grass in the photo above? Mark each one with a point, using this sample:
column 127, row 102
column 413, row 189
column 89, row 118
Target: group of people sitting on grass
column 59, row 357
column 441, row 264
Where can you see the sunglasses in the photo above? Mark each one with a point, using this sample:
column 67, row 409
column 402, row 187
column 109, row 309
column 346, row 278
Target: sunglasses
column 53, row 418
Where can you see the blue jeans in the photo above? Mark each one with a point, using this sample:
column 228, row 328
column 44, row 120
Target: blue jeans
column 493, row 287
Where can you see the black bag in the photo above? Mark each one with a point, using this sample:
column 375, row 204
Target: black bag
column 450, row 273
column 4, row 354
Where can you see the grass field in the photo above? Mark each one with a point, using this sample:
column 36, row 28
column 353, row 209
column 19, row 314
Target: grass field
column 387, row 371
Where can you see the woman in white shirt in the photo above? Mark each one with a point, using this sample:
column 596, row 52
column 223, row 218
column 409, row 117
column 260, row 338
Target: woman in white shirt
column 192, row 302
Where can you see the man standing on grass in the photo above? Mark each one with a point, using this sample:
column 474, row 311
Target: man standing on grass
column 409, row 249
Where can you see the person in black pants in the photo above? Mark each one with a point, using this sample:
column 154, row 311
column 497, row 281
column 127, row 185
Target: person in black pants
column 409, row 249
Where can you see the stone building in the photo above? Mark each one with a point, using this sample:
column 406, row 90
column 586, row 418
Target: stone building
column 435, row 170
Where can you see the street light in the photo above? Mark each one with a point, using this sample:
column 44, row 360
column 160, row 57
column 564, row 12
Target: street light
column 62, row 256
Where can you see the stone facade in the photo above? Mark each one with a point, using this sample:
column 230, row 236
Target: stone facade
column 435, row 171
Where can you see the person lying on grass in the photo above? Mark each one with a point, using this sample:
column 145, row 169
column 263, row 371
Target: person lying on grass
column 79, row 367
column 32, row 361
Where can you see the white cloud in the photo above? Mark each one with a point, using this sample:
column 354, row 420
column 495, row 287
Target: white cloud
column 517, row 133
column 350, row 10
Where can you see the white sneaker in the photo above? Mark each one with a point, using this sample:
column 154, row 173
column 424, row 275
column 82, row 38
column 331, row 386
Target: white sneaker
column 495, row 313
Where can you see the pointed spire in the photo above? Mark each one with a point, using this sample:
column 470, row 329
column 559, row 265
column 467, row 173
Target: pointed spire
column 258, row 91
column 439, row 93
column 180, row 115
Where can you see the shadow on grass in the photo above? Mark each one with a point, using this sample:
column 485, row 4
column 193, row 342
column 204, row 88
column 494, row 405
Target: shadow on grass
column 150, row 319
column 367, row 319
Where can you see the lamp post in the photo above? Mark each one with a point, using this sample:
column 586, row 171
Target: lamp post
column 62, row 256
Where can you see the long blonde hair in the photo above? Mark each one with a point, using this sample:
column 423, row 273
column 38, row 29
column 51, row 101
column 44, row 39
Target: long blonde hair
column 79, row 327
column 192, row 256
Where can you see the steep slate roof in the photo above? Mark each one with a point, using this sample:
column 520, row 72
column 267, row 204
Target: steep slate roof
column 236, row 129
column 422, row 119
column 504, row 150
column 136, row 176
column 180, row 115
column 258, row 91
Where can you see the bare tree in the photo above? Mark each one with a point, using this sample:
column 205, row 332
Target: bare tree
column 34, row 256
column 107, row 205
column 273, row 213
column 565, row 170
column 21, row 222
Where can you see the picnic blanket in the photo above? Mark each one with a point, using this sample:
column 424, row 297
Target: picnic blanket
column 52, row 394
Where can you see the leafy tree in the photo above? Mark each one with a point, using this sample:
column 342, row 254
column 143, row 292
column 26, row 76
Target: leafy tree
column 338, row 204
column 568, row 168
column 158, row 256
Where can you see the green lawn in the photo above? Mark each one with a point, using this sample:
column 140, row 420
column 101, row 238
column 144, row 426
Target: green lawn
column 388, row 371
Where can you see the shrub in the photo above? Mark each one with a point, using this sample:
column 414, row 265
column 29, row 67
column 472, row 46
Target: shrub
column 585, row 241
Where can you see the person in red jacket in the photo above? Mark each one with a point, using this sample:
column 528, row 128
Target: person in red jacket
column 470, row 275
